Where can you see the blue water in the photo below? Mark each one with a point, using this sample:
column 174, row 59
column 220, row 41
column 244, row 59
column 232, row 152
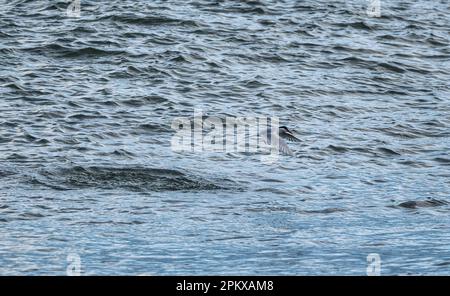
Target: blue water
column 86, row 165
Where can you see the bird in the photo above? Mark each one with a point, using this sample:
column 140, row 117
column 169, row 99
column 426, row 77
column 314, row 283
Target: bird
column 284, row 134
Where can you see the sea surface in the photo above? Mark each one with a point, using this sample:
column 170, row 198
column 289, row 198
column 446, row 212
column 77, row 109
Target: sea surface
column 87, row 171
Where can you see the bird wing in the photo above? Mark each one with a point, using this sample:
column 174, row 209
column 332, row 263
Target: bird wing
column 284, row 149
column 290, row 137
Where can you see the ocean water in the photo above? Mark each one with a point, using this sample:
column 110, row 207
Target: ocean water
column 86, row 167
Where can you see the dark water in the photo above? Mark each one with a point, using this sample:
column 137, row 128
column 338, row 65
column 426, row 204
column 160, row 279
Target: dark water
column 86, row 110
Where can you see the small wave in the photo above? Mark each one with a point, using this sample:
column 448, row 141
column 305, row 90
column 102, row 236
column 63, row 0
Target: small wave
column 68, row 52
column 149, row 20
column 388, row 151
column 391, row 67
column 324, row 211
column 356, row 25
column 30, row 216
column 445, row 161
column 273, row 190
column 137, row 179
column 339, row 149
column 5, row 174
column 154, row 127
column 4, row 35
column 422, row 203
column 94, row 115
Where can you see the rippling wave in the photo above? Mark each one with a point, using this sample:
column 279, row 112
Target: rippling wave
column 86, row 164
column 131, row 178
